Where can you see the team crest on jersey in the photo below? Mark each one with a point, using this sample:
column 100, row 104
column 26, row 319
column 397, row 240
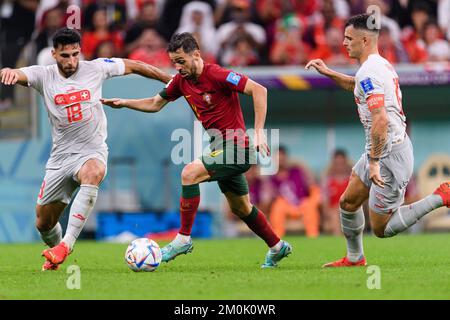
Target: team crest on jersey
column 207, row 98
column 74, row 97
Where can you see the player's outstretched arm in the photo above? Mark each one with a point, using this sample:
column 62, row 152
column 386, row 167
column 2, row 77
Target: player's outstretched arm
column 259, row 95
column 153, row 104
column 343, row 80
column 145, row 70
column 10, row 76
column 379, row 135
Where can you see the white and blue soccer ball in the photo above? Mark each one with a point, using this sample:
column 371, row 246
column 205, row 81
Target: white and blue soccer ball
column 143, row 255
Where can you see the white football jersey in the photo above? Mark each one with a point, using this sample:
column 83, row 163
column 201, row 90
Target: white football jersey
column 377, row 84
column 73, row 106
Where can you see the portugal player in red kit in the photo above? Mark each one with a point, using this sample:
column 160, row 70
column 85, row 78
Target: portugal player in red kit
column 212, row 93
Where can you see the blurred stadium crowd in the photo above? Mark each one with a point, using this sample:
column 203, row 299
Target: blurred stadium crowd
column 231, row 32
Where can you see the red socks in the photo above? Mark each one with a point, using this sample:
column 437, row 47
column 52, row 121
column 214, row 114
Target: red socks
column 257, row 222
column 189, row 202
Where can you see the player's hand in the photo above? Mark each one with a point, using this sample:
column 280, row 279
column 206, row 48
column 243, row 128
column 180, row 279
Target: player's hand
column 8, row 76
column 320, row 66
column 374, row 173
column 116, row 103
column 261, row 143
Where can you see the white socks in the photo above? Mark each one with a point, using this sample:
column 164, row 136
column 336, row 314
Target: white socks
column 53, row 236
column 81, row 208
column 182, row 239
column 276, row 247
column 353, row 224
column 404, row 217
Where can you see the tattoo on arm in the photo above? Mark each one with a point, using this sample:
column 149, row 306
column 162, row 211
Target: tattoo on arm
column 378, row 132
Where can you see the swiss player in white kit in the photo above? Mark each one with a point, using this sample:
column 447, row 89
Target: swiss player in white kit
column 383, row 171
column 71, row 90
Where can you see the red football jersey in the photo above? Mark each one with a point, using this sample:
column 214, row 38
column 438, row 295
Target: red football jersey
column 214, row 99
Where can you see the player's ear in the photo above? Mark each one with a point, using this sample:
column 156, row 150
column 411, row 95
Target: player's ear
column 54, row 53
column 196, row 54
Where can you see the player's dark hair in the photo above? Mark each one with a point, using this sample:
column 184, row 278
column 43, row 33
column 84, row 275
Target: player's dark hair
column 363, row 22
column 65, row 36
column 184, row 40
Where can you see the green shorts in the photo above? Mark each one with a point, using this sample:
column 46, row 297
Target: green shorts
column 227, row 164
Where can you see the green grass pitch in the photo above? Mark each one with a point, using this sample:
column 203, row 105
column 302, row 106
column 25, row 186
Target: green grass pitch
column 410, row 266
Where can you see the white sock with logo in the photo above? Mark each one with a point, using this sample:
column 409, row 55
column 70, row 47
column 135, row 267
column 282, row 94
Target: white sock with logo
column 81, row 208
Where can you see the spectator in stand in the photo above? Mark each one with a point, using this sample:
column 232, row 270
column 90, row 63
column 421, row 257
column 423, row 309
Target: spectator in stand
column 52, row 20
column 295, row 195
column 388, row 49
column 169, row 19
column 356, row 7
column 46, row 5
column 134, row 7
column 391, row 24
column 16, row 27
column 334, row 183
column 269, row 12
column 146, row 19
column 228, row 32
column 100, row 32
column 105, row 49
column 242, row 52
column 437, row 48
column 151, row 50
column 444, row 17
column 115, row 10
column 327, row 18
column 197, row 18
column 411, row 35
column 401, row 10
column 333, row 52
column 288, row 47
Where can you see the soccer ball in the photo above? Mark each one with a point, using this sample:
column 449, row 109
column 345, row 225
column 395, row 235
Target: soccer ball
column 143, row 255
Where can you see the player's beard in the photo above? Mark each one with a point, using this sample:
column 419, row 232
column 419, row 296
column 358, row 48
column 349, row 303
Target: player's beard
column 192, row 74
column 65, row 71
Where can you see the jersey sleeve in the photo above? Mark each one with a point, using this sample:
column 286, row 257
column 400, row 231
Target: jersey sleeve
column 35, row 76
column 372, row 88
column 229, row 79
column 110, row 67
column 172, row 90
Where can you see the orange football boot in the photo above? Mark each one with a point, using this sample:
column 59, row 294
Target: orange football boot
column 344, row 262
column 49, row 266
column 444, row 191
column 57, row 254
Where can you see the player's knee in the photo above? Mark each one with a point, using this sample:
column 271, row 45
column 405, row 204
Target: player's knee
column 242, row 210
column 239, row 211
column 94, row 176
column 188, row 175
column 347, row 205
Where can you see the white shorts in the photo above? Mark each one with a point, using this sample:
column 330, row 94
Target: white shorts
column 61, row 179
column 396, row 170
